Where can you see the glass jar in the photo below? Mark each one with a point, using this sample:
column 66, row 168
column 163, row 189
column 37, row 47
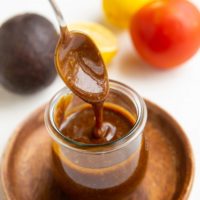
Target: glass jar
column 100, row 171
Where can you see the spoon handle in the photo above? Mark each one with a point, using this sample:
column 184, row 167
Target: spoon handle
column 58, row 14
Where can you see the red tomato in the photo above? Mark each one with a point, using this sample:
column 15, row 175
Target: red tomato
column 166, row 33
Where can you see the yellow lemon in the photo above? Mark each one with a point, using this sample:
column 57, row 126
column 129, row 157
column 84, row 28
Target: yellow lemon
column 119, row 12
column 104, row 39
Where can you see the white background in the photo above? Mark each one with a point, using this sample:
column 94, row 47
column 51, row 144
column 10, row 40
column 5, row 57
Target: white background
column 177, row 91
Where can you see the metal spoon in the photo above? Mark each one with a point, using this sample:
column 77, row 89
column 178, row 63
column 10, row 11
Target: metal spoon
column 79, row 63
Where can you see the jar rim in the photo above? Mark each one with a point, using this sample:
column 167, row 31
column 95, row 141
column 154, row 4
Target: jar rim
column 136, row 130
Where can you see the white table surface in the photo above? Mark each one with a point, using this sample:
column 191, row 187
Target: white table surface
column 177, row 91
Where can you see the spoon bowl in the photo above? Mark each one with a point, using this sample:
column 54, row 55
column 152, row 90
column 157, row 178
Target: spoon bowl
column 80, row 65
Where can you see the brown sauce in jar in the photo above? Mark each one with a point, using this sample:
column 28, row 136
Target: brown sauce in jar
column 78, row 180
column 80, row 124
column 117, row 182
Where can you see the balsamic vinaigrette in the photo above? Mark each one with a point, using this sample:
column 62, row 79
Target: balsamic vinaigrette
column 80, row 65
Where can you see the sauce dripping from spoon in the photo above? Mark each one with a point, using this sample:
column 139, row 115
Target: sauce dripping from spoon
column 81, row 67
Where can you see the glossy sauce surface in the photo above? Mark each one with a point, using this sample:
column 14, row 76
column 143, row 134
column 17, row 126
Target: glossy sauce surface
column 80, row 124
column 81, row 67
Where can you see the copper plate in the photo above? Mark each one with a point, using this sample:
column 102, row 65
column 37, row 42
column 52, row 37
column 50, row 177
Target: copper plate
column 26, row 165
